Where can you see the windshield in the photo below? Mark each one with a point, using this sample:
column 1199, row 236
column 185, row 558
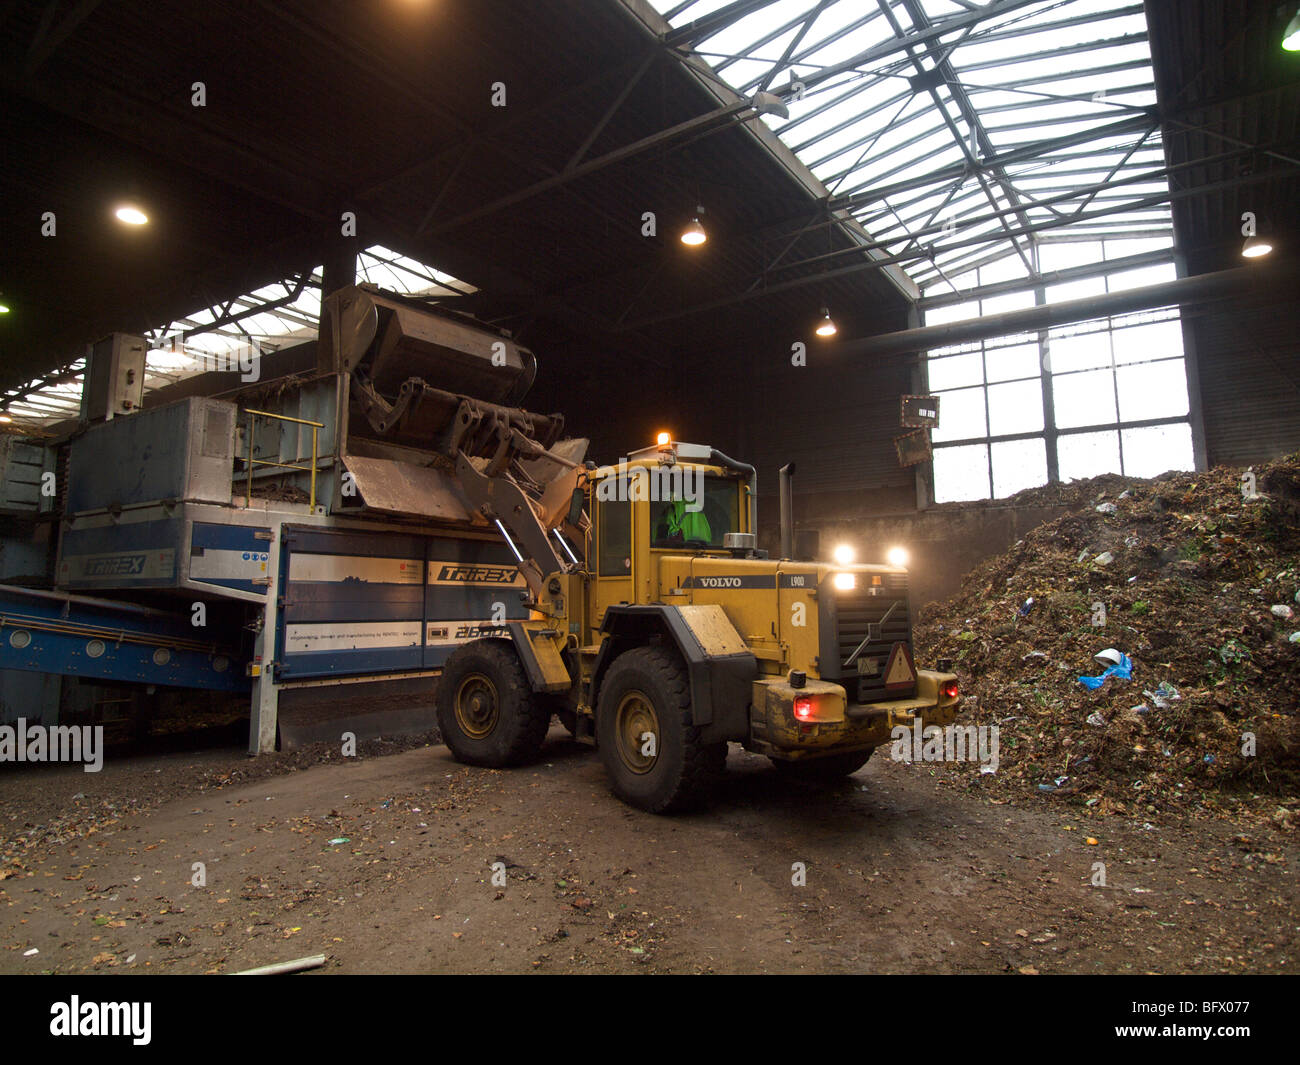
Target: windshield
column 695, row 515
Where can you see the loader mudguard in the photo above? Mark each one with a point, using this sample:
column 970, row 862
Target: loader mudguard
column 539, row 651
column 720, row 666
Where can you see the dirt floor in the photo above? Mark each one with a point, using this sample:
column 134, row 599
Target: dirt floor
column 907, row 870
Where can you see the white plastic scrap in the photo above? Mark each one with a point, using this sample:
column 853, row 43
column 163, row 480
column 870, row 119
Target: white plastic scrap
column 1164, row 694
column 1104, row 559
column 1106, row 508
column 1281, row 610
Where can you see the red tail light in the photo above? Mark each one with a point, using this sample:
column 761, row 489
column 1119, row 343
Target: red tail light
column 948, row 689
column 803, row 708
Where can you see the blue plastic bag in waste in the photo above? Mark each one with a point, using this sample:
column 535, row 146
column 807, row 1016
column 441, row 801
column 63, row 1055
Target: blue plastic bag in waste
column 1122, row 671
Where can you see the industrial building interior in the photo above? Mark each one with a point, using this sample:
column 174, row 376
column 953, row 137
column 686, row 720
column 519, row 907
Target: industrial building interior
column 786, row 230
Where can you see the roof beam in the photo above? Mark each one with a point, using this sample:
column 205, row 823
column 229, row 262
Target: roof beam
column 1196, row 289
column 1054, row 277
column 707, row 25
column 1008, row 158
column 899, row 44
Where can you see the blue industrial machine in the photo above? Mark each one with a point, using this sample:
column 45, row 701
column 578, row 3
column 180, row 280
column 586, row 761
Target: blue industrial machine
column 350, row 515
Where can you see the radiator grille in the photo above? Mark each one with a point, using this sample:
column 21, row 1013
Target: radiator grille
column 883, row 620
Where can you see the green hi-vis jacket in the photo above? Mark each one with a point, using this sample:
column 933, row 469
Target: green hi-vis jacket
column 688, row 524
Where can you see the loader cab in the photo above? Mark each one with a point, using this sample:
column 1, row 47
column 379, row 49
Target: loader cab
column 661, row 500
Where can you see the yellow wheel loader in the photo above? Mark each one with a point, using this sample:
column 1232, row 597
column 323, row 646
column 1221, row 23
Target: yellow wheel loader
column 659, row 633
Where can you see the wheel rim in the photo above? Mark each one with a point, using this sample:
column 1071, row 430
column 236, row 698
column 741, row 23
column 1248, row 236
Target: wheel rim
column 633, row 719
column 477, row 707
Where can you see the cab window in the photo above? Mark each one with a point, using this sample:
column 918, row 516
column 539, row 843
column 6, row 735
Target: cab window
column 696, row 518
column 615, row 539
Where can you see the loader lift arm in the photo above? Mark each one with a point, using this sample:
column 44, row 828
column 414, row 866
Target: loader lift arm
column 499, row 497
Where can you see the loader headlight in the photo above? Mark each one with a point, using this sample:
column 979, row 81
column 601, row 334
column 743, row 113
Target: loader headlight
column 844, row 582
column 843, row 554
column 897, row 556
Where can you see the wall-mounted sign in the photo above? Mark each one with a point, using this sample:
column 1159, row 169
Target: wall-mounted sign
column 913, row 447
column 920, row 412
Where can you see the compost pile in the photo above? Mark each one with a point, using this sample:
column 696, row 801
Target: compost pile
column 1196, row 579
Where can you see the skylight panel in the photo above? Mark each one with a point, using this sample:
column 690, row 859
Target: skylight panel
column 894, row 131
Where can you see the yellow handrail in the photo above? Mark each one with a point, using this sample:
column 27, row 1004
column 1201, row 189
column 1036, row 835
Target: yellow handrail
column 250, row 462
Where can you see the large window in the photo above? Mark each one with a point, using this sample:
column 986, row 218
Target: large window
column 1108, row 396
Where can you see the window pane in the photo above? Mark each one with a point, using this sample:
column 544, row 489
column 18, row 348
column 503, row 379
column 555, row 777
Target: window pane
column 961, row 473
column 679, row 516
column 1159, row 340
column 1007, row 364
column 1118, row 249
column 1015, row 408
column 955, row 371
column 1155, row 449
column 1064, row 255
column 1010, row 301
column 961, row 415
column 1075, row 290
column 1152, row 390
column 1008, row 268
column 1018, row 464
column 956, row 313
column 1084, row 352
column 616, row 538
column 1084, row 398
column 1147, row 275
column 1082, row 455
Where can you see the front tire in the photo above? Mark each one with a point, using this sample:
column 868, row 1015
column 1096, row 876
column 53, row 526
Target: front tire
column 655, row 758
column 487, row 713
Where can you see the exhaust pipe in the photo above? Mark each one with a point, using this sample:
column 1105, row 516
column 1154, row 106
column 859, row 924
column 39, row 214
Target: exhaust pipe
column 787, row 510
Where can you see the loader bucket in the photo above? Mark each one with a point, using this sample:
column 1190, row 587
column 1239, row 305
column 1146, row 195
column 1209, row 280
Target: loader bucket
column 426, row 388
column 388, row 340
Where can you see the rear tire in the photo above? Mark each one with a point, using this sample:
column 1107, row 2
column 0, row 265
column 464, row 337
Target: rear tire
column 823, row 770
column 487, row 713
column 646, row 694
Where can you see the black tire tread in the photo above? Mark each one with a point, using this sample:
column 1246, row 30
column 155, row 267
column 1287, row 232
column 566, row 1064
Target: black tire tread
column 703, row 763
column 525, row 736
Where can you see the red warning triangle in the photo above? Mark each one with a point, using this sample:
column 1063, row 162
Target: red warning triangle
column 900, row 673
